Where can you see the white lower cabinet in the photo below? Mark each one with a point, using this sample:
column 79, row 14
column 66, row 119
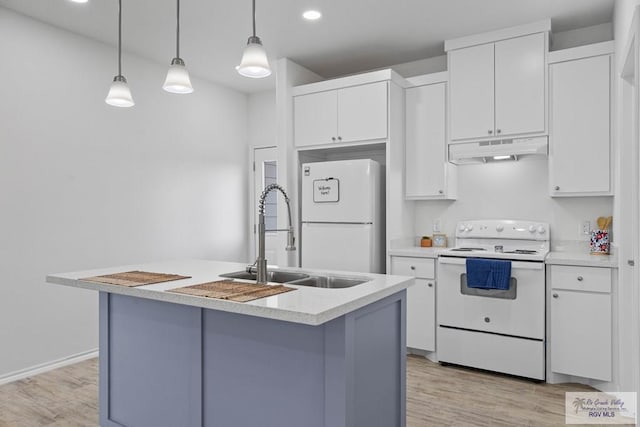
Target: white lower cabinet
column 581, row 325
column 421, row 301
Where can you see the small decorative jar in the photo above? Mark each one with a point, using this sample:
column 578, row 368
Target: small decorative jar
column 599, row 244
column 426, row 242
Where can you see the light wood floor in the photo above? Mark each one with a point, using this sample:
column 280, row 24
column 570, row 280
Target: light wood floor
column 436, row 396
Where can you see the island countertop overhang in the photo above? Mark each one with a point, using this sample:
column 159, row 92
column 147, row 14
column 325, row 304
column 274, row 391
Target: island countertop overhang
column 306, row 305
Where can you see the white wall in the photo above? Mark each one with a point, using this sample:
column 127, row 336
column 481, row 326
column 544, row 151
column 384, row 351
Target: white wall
column 422, row 66
column 582, row 36
column 262, row 133
column 510, row 190
column 85, row 185
column 622, row 15
column 262, row 119
column 627, row 193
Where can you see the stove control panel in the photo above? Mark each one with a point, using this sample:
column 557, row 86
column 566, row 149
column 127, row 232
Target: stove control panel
column 503, row 229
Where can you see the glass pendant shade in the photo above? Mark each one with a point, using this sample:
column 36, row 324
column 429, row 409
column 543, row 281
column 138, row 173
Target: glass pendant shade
column 254, row 62
column 119, row 94
column 177, row 80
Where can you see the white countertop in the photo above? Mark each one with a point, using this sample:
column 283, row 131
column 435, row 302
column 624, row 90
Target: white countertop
column 571, row 254
column 306, row 305
column 581, row 259
column 416, row 251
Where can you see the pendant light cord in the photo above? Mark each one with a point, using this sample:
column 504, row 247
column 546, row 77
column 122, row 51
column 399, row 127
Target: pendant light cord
column 254, row 18
column 119, row 37
column 178, row 29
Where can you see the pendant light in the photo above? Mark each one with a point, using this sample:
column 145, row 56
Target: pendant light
column 177, row 80
column 254, row 62
column 119, row 93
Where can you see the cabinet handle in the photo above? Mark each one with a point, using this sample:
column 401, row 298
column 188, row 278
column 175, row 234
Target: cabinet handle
column 430, row 284
column 339, row 138
column 333, row 138
column 413, row 267
column 499, row 131
column 487, row 320
column 490, row 132
column 556, row 187
column 555, row 295
column 440, row 192
column 580, row 278
column 631, row 262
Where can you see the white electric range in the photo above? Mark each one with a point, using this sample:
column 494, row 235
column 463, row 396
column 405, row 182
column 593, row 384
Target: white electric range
column 493, row 329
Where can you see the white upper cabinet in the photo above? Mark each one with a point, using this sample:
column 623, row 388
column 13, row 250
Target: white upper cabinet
column 520, row 85
column 580, row 127
column 350, row 114
column 428, row 175
column 315, row 117
column 498, row 88
column 472, row 92
column 362, row 112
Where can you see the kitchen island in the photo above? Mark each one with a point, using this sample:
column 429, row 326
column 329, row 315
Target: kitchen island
column 309, row 357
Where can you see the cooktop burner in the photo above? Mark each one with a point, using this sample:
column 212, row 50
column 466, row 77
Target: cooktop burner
column 514, row 240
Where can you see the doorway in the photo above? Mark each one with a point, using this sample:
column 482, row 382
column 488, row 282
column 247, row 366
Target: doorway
column 265, row 172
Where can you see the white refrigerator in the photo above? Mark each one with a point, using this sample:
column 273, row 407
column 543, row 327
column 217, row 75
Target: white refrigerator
column 343, row 216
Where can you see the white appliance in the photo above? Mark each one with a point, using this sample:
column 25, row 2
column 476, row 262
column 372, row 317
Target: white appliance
column 342, row 216
column 497, row 330
column 484, row 151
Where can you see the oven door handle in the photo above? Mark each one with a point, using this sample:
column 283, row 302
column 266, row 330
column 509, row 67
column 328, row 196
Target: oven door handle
column 520, row 265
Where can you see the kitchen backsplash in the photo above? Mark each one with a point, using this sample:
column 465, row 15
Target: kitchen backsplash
column 511, row 190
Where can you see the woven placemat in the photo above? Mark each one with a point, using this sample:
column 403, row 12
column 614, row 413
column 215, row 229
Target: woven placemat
column 232, row 291
column 134, row 278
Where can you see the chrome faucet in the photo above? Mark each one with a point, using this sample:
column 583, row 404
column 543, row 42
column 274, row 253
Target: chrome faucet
column 261, row 262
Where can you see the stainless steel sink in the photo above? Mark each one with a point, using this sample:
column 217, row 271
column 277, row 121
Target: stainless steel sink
column 272, row 276
column 301, row 279
column 330, row 282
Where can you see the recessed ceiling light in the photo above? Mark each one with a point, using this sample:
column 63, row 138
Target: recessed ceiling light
column 80, row 1
column 311, row 15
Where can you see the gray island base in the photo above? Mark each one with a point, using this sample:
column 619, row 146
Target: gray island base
column 169, row 364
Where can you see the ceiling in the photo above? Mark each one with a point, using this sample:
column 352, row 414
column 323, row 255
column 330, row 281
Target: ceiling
column 352, row 35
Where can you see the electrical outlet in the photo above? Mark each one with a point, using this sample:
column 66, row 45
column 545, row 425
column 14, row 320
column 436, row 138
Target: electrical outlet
column 436, row 226
column 585, row 229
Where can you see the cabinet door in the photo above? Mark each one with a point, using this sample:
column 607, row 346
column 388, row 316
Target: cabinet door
column 581, row 334
column 471, row 92
column 421, row 325
column 315, row 118
column 520, row 85
column 579, row 159
column 362, row 112
column 425, row 155
column 421, row 301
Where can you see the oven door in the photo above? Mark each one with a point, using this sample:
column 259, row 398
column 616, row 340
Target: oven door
column 519, row 312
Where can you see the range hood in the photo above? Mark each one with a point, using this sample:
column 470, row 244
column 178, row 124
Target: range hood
column 502, row 149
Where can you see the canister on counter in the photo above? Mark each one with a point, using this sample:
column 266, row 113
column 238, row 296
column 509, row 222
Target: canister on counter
column 599, row 244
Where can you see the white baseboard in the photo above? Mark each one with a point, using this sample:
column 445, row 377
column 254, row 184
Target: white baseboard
column 48, row 366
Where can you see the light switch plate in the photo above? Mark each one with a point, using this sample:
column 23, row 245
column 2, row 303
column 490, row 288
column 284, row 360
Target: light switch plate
column 436, row 226
column 585, row 229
